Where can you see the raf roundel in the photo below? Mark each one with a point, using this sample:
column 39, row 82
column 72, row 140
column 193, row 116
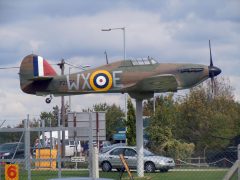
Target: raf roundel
column 101, row 80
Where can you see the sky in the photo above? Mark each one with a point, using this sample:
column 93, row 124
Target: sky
column 173, row 31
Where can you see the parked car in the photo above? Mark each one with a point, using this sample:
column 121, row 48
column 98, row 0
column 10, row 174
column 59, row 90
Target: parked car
column 105, row 144
column 152, row 162
column 12, row 150
column 107, row 148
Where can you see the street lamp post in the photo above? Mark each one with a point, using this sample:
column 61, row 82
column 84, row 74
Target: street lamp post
column 124, row 38
column 124, row 57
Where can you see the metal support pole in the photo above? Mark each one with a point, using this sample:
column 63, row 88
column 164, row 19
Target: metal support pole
column 126, row 114
column 59, row 149
column 27, row 147
column 39, row 144
column 63, row 124
column 124, row 58
column 95, row 163
column 90, row 145
column 75, row 139
column 97, row 129
column 124, row 38
column 139, row 137
column 124, row 43
column 51, row 144
column 25, row 143
column 43, row 133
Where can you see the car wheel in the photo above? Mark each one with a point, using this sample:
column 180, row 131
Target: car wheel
column 106, row 167
column 149, row 167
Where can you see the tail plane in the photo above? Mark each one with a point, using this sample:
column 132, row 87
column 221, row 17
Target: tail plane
column 35, row 69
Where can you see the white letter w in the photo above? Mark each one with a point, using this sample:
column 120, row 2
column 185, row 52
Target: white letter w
column 72, row 85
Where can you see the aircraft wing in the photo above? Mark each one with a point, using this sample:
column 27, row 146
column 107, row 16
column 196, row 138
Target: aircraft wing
column 159, row 83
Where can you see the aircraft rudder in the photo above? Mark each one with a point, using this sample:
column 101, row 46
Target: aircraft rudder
column 31, row 68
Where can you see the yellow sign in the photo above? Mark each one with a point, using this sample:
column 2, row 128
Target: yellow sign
column 11, row 172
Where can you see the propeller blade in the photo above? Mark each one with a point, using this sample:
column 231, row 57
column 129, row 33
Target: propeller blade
column 213, row 71
column 212, row 85
column 211, row 62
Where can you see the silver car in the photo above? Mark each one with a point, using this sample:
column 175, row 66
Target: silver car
column 152, row 162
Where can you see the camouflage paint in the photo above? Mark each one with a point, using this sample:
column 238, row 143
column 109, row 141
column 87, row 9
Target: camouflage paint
column 117, row 77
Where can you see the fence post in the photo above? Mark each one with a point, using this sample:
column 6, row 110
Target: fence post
column 95, row 163
column 27, row 147
column 59, row 149
column 43, row 133
column 90, row 145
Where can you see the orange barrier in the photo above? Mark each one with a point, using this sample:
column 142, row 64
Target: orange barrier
column 46, row 154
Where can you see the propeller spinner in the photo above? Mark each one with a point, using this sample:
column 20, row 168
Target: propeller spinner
column 213, row 70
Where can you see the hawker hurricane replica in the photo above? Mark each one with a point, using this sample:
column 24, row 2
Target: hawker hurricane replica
column 141, row 78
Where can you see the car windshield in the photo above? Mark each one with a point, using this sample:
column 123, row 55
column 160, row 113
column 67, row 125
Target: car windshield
column 105, row 150
column 8, row 147
column 148, row 153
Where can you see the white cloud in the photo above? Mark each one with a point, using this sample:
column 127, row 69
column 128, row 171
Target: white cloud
column 170, row 31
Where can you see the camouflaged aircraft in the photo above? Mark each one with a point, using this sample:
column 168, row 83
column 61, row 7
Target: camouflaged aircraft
column 141, row 78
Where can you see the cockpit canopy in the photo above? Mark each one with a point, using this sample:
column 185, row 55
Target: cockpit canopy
column 143, row 61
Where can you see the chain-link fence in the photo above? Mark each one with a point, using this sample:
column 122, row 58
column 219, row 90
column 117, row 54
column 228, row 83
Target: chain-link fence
column 40, row 158
column 36, row 152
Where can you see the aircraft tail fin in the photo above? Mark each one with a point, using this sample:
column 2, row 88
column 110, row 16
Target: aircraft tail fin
column 34, row 68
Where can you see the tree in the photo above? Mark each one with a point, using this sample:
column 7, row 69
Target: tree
column 148, row 106
column 114, row 120
column 209, row 121
column 101, row 107
column 162, row 126
column 130, row 124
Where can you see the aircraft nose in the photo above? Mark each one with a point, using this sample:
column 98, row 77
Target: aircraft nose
column 214, row 71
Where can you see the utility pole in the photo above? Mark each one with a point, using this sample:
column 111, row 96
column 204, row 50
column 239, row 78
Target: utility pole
column 61, row 65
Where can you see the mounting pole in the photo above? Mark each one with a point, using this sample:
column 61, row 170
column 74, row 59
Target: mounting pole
column 139, row 137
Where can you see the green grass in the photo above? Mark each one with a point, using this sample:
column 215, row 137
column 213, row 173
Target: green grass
column 172, row 175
